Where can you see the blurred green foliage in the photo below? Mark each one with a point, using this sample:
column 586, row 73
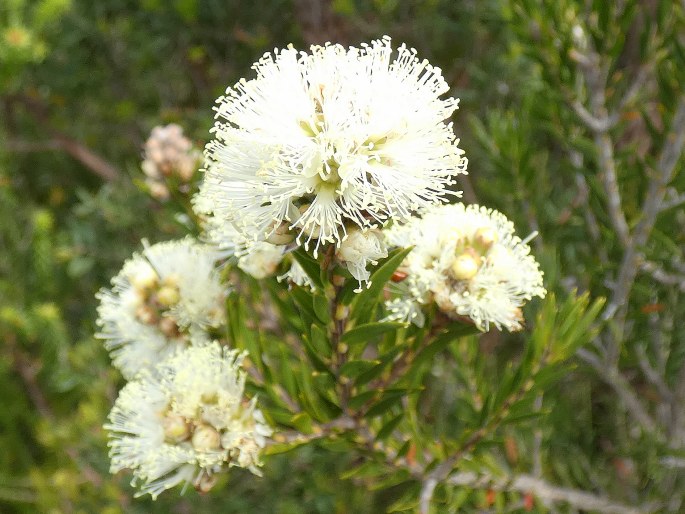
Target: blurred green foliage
column 83, row 82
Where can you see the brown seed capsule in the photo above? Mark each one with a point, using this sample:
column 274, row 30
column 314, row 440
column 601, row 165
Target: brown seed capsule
column 399, row 276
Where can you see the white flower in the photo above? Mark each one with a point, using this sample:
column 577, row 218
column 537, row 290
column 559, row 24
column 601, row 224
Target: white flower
column 360, row 248
column 186, row 421
column 328, row 138
column 262, row 261
column 157, row 300
column 406, row 309
column 469, row 261
column 297, row 275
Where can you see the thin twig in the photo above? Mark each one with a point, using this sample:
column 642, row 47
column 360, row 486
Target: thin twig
column 622, row 387
column 662, row 276
column 445, row 468
column 547, row 492
column 28, row 373
column 670, row 155
column 599, row 122
column 334, row 427
column 653, row 375
column 91, row 160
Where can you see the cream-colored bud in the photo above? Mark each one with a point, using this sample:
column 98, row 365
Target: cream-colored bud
column 206, row 439
column 146, row 315
column 465, row 266
column 168, row 327
column 310, row 229
column 485, row 237
column 204, row 483
column 282, row 235
column 145, row 279
column 176, row 428
column 158, row 190
column 185, row 169
column 168, row 295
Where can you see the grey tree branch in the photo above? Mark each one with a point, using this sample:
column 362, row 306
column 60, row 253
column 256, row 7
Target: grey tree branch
column 621, row 386
column 662, row 276
column 544, row 491
column 656, row 191
column 653, row 375
column 91, row 160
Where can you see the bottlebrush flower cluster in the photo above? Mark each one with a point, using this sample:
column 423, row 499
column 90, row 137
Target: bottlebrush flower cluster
column 347, row 153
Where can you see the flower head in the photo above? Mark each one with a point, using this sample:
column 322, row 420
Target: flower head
column 359, row 249
column 260, row 262
column 186, row 421
column 336, row 137
column 469, row 261
column 157, row 300
column 168, row 153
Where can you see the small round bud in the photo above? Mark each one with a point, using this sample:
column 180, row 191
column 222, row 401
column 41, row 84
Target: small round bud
column 204, row 483
column 168, row 327
column 465, row 267
column 206, row 439
column 158, row 190
column 176, row 428
column 186, row 168
column 168, row 296
column 145, row 279
column 399, row 276
column 310, row 229
column 281, row 235
column 485, row 237
column 146, row 315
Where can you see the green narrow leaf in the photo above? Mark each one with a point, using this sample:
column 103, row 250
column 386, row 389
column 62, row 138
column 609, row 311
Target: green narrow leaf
column 384, row 405
column 363, row 333
column 359, row 400
column 302, row 422
column 314, row 356
column 278, row 448
column 365, row 299
column 387, row 429
column 366, row 470
column 321, row 308
column 353, row 369
column 310, row 266
column 409, row 501
column 452, row 333
column 304, row 303
column 320, row 341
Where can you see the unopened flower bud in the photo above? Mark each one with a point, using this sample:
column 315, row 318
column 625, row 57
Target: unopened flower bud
column 281, row 235
column 485, row 237
column 465, row 266
column 168, row 327
column 204, row 483
column 310, row 229
column 168, row 296
column 206, row 439
column 176, row 428
column 146, row 315
column 158, row 190
column 145, row 279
